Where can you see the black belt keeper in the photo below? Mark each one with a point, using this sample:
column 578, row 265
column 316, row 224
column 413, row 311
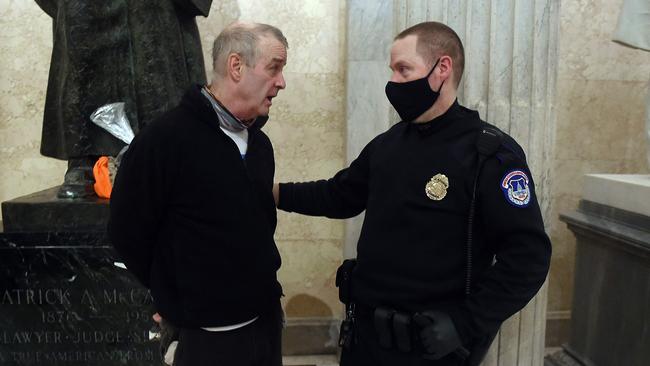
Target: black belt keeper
column 344, row 280
column 347, row 333
column 383, row 326
column 402, row 329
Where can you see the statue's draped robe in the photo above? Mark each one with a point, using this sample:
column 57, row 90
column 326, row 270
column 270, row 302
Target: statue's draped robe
column 145, row 53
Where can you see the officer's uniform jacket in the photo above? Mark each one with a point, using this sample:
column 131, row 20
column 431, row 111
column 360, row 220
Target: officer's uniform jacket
column 415, row 184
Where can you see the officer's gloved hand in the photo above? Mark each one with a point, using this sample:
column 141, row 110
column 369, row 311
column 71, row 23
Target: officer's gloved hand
column 437, row 334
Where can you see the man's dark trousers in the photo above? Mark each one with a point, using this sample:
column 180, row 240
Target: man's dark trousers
column 256, row 344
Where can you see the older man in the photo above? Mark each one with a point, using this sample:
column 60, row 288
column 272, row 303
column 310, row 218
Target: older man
column 192, row 211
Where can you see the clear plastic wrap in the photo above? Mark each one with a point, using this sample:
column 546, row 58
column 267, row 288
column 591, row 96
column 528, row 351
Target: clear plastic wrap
column 112, row 118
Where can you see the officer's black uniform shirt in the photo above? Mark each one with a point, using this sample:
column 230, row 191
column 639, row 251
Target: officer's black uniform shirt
column 411, row 252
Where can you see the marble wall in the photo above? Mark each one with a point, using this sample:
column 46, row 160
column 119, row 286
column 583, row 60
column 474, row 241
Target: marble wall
column 602, row 89
column 26, row 47
column 306, row 126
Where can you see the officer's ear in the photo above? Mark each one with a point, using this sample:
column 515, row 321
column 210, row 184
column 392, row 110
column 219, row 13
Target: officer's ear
column 445, row 67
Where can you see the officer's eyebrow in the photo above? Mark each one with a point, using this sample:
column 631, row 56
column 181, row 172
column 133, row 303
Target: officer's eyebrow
column 397, row 64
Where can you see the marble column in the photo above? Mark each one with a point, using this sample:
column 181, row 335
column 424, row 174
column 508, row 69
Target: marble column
column 510, row 77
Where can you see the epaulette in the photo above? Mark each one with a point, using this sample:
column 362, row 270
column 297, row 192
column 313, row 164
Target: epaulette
column 491, row 141
column 488, row 141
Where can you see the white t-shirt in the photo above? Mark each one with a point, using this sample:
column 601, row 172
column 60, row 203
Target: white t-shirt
column 240, row 138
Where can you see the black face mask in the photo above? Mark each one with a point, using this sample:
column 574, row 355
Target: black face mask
column 412, row 98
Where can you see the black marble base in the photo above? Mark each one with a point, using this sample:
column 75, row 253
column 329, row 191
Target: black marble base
column 611, row 299
column 63, row 301
column 562, row 358
column 44, row 212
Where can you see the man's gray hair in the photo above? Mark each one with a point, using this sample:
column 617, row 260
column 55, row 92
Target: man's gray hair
column 242, row 39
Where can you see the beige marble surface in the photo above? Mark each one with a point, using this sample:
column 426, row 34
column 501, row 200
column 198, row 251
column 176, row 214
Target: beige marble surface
column 307, row 276
column 306, row 125
column 587, row 51
column 601, row 89
column 311, row 360
column 25, row 45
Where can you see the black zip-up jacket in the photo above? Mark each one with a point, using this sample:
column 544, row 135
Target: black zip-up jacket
column 411, row 251
column 194, row 222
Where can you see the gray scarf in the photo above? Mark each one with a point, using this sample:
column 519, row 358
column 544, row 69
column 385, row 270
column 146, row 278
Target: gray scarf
column 226, row 120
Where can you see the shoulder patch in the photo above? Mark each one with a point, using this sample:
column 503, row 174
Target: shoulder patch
column 516, row 188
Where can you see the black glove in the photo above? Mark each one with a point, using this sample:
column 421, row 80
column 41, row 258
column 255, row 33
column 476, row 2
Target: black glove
column 438, row 334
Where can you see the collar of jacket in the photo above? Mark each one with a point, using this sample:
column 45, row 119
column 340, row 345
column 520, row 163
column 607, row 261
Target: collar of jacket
column 204, row 105
column 457, row 119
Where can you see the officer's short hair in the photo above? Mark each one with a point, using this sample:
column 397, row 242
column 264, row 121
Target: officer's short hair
column 436, row 40
column 242, row 39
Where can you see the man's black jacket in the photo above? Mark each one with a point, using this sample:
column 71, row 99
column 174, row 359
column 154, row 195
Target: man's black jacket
column 194, row 222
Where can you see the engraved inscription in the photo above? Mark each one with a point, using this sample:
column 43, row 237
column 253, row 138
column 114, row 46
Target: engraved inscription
column 75, row 356
column 77, row 326
column 72, row 306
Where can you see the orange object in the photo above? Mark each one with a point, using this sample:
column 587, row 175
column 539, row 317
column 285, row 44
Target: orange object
column 103, row 186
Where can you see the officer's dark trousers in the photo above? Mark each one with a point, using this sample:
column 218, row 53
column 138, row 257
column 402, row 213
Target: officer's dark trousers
column 257, row 344
column 368, row 352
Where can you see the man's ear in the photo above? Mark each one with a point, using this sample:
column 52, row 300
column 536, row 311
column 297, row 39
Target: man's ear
column 235, row 66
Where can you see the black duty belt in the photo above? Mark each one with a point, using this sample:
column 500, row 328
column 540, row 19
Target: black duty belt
column 396, row 329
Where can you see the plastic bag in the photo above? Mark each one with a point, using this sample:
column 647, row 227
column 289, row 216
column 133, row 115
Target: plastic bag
column 112, row 118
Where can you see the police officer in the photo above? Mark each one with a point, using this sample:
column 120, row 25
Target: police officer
column 453, row 241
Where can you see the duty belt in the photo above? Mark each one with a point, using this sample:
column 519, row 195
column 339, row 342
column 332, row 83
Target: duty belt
column 396, row 330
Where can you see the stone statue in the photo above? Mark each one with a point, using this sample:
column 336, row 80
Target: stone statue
column 633, row 30
column 144, row 53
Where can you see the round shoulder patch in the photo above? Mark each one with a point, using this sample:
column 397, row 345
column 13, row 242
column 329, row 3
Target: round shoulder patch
column 516, row 188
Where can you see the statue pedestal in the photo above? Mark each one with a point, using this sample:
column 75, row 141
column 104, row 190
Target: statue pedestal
column 44, row 212
column 63, row 300
column 610, row 318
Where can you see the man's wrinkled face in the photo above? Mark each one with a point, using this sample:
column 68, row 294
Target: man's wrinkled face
column 261, row 83
column 405, row 62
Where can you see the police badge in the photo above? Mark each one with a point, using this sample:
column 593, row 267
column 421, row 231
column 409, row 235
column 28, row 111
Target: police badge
column 436, row 188
column 515, row 186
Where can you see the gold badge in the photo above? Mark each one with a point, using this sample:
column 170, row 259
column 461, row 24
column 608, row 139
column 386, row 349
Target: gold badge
column 436, row 189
